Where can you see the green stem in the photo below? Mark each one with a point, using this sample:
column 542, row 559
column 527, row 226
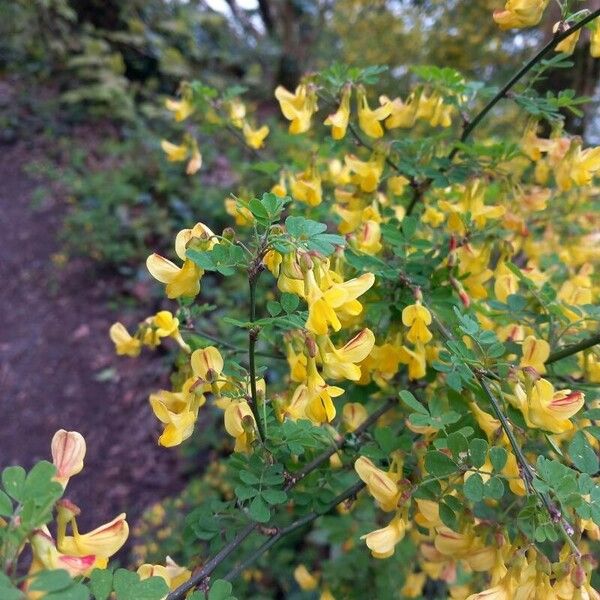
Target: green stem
column 252, row 337
column 574, row 348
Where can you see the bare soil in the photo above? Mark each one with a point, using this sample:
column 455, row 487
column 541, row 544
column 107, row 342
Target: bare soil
column 57, row 364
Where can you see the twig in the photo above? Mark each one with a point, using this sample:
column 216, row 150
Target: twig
column 305, row 520
column 253, row 274
column 233, row 347
column 574, row 348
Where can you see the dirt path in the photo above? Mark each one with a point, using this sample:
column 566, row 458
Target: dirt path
column 54, row 350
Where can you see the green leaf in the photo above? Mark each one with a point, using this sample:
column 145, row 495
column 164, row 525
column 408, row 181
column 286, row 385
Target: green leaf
column 6, row 505
column 128, row 586
column 478, row 450
column 274, row 496
column 39, row 480
column 498, row 457
column 7, row 590
column 412, row 402
column 439, row 464
column 259, row 510
column 494, row 488
column 457, row 444
column 582, row 454
column 220, row 590
column 13, row 479
column 51, row 581
column 448, row 516
column 473, row 488
column 273, row 307
column 101, row 583
column 77, row 591
column 289, row 302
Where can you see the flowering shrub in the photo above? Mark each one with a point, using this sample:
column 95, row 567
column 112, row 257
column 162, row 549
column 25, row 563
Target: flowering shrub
column 405, row 379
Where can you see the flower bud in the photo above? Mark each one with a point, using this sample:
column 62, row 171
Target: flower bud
column 68, row 451
column 229, row 234
column 578, row 576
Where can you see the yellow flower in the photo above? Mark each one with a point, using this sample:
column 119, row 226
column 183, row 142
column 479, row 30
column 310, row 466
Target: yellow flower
column 415, row 360
column 68, row 451
column 396, row 185
column 417, row 317
column 243, row 217
column 342, row 363
column 568, row 44
column 379, row 484
column 506, row 282
column 237, row 113
column 354, row 415
column 433, row 217
column 185, row 280
column 168, row 326
column 338, row 121
column 413, row 586
column 255, row 138
column 434, row 110
column 195, row 161
column 520, row 13
column 316, row 395
column 367, row 239
column 306, row 186
column 174, row 153
column 324, row 306
column 181, row 109
column 367, row 173
column 178, row 415
column 125, row 344
column 544, row 408
column 298, row 107
column 382, row 542
column 46, row 557
column 535, row 354
column 240, row 424
column 369, row 120
column 402, row 114
column 102, row 542
column 595, row 40
column 305, row 579
column 172, row 573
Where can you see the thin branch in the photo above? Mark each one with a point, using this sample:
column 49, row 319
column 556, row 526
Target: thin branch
column 589, row 342
column 302, row 522
column 253, row 274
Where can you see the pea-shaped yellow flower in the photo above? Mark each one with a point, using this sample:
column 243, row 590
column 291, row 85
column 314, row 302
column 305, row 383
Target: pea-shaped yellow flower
column 370, row 120
column 520, row 13
column 379, row 484
column 417, row 317
column 298, row 107
column 255, row 138
column 535, row 354
column 125, row 343
column 338, row 121
column 382, row 542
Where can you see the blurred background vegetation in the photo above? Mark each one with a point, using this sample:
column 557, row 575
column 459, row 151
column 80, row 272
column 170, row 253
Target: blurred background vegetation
column 92, row 76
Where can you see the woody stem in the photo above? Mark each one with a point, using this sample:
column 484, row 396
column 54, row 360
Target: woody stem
column 253, row 275
column 589, row 342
